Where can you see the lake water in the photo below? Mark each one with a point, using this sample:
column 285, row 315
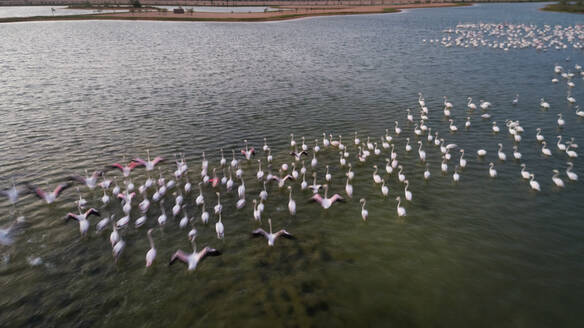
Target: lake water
column 483, row 252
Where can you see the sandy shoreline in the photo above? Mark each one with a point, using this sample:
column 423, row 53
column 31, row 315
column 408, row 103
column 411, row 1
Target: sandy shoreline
column 286, row 12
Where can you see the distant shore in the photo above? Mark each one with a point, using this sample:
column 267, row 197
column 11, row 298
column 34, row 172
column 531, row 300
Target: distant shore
column 283, row 13
column 565, row 8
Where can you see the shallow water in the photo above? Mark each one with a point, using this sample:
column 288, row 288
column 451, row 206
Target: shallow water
column 80, row 95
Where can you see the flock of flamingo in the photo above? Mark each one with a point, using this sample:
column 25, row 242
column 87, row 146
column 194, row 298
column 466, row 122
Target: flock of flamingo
column 507, row 36
column 354, row 155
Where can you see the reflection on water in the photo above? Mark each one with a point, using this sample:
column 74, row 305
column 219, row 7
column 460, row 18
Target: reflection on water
column 80, row 95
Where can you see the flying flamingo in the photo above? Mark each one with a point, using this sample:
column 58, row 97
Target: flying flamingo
column 89, row 181
column 192, row 259
column 49, row 197
column 248, row 152
column 271, row 237
column 148, row 164
column 325, row 201
column 125, row 169
column 82, row 219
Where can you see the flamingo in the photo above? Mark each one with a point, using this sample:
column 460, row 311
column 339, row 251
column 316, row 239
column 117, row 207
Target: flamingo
column 218, row 208
column 421, row 153
column 264, row 193
column 248, row 152
column 233, row 161
column 151, row 254
column 545, row 151
column 427, row 172
column 470, row 104
column 501, row 154
column 543, row 104
column 49, row 197
column 384, row 188
column 492, row 171
column 271, row 237
column 223, row 161
column 376, row 177
column 397, row 130
column 162, row 218
column 456, row 176
column 524, row 174
column 364, row 212
column 467, row 123
column 82, row 219
column 452, row 127
column 298, row 155
column 407, row 193
column 349, row 189
column 282, row 180
column 260, row 173
column 538, row 136
column 325, row 201
column 115, row 235
column 534, row 184
column 204, row 215
column 325, row 141
column 103, row 223
column 194, row 258
column 125, row 169
column 257, row 214
column 148, row 164
column 400, row 210
column 516, row 154
column 560, row 121
column 557, row 181
column 315, row 187
column 291, row 203
column 571, row 175
column 89, row 181
column 118, row 249
column 219, row 228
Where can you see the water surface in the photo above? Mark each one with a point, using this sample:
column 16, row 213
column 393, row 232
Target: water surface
column 80, row 95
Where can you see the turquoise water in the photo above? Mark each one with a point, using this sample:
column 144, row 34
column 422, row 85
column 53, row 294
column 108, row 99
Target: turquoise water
column 485, row 252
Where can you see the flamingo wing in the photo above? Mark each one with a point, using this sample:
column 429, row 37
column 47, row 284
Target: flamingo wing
column 71, row 216
column 157, row 160
column 60, row 188
column 77, row 178
column 37, row 191
column 139, row 161
column 179, row 255
column 288, row 176
column 285, row 234
column 337, row 197
column 91, row 211
column 317, row 198
column 252, row 151
column 132, row 165
column 208, row 251
column 259, row 232
column 117, row 166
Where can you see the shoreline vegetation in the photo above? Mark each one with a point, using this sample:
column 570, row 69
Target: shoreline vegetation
column 575, row 7
column 283, row 13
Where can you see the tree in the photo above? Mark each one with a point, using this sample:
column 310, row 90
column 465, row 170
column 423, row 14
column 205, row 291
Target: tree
column 136, row 3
